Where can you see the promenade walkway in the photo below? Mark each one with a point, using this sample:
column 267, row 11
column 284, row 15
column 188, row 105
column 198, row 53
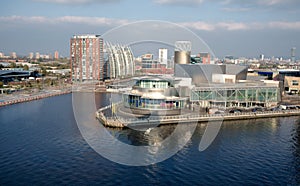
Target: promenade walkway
column 122, row 121
column 25, row 97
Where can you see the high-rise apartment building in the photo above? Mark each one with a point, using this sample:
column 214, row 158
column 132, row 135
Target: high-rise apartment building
column 163, row 56
column 30, row 56
column 293, row 54
column 37, row 55
column 56, row 55
column 13, row 55
column 86, row 54
column 262, row 57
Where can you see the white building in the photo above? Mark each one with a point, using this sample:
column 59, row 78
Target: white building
column 13, row 55
column 163, row 56
column 119, row 62
column 37, row 55
column 30, row 56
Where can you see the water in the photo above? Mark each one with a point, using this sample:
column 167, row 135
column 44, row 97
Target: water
column 40, row 144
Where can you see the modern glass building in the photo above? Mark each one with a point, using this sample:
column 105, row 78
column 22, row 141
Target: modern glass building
column 119, row 61
column 154, row 95
column 237, row 95
column 202, row 86
column 227, row 86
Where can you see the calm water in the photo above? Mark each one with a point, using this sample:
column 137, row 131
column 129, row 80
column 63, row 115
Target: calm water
column 40, row 144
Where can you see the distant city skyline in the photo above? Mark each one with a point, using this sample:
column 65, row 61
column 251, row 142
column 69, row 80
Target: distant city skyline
column 230, row 27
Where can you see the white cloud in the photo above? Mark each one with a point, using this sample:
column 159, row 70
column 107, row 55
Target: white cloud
column 196, row 25
column 199, row 25
column 285, row 25
column 77, row 1
column 236, row 9
column 179, row 2
column 232, row 26
column 235, row 26
column 91, row 20
column 65, row 19
column 273, row 2
column 236, row 5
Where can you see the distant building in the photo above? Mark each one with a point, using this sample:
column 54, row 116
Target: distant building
column 37, row 55
column 182, row 52
column 1, row 55
column 163, row 56
column 13, row 55
column 45, row 56
column 148, row 61
column 262, row 57
column 153, row 66
column 204, row 57
column 30, row 56
column 56, row 55
column 293, row 54
column 87, row 60
column 292, row 84
column 16, row 74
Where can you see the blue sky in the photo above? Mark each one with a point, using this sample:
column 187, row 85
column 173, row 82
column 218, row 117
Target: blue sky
column 230, row 27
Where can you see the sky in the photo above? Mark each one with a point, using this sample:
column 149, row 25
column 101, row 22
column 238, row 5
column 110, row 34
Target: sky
column 242, row 28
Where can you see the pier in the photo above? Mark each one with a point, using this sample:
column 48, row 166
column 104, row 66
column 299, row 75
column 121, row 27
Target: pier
column 26, row 98
column 121, row 122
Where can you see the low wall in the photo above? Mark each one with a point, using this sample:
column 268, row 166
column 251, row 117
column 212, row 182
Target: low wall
column 179, row 119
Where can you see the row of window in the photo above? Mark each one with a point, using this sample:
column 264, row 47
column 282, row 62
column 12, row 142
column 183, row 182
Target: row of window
column 237, row 95
column 138, row 102
column 295, row 82
column 153, row 84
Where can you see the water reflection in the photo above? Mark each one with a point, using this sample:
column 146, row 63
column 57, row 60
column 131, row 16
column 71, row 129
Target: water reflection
column 45, row 147
column 296, row 150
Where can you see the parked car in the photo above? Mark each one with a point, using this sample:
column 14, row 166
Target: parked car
column 276, row 109
column 219, row 112
column 258, row 109
column 233, row 111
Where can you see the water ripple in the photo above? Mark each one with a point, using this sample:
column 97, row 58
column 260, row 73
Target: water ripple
column 37, row 148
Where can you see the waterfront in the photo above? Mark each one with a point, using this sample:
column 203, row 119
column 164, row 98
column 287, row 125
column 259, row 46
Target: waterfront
column 40, row 144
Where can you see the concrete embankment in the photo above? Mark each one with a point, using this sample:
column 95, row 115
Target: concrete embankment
column 21, row 99
column 120, row 122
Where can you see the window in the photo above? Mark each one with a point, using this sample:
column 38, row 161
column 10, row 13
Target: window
column 295, row 83
column 227, row 80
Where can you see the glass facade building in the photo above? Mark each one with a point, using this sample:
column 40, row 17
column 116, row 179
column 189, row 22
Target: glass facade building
column 236, row 96
column 119, row 61
column 154, row 94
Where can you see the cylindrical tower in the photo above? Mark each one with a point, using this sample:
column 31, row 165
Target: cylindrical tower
column 182, row 52
column 182, row 57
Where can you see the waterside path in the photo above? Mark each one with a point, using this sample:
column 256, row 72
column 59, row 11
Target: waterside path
column 20, row 98
column 121, row 122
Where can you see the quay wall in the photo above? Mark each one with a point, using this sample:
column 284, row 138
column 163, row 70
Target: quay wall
column 121, row 122
column 32, row 98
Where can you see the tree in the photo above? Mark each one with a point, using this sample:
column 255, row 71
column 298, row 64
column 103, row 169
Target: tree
column 1, row 84
column 44, row 71
column 12, row 65
column 26, row 67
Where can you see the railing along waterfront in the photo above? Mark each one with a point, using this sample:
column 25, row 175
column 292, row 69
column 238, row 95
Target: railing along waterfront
column 198, row 117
